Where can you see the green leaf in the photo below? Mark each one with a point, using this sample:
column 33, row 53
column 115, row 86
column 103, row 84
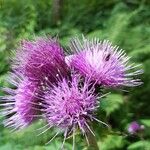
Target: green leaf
column 112, row 103
column 140, row 145
column 146, row 122
column 112, row 142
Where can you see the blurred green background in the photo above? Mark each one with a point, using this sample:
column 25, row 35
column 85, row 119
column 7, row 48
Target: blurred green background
column 125, row 23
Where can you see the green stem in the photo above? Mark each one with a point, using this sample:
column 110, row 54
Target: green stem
column 92, row 141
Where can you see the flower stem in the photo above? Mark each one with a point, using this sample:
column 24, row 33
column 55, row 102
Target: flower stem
column 92, row 142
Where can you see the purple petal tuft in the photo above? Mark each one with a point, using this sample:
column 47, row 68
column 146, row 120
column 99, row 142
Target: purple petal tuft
column 71, row 104
column 41, row 60
column 20, row 104
column 103, row 62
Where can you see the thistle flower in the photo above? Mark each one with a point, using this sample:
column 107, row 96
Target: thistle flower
column 20, row 104
column 71, row 105
column 134, row 127
column 41, row 60
column 103, row 62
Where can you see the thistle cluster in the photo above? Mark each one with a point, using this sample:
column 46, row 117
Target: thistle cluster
column 46, row 83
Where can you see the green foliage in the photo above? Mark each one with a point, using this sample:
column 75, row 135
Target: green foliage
column 111, row 103
column 141, row 145
column 125, row 23
column 112, row 142
column 146, row 122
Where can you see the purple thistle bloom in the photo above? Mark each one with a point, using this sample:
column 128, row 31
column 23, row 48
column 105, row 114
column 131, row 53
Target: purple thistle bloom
column 41, row 60
column 20, row 104
column 134, row 127
column 103, row 63
column 70, row 105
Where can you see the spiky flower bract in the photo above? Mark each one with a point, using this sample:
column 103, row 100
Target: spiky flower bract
column 103, row 62
column 40, row 60
column 71, row 104
column 20, row 106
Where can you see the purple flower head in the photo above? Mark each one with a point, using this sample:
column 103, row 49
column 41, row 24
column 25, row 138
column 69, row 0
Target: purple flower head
column 134, row 127
column 70, row 105
column 41, row 60
column 20, row 104
column 103, row 63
